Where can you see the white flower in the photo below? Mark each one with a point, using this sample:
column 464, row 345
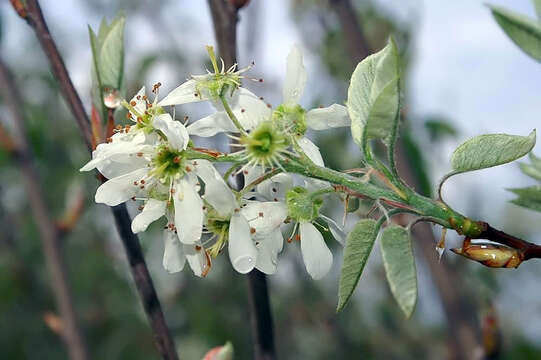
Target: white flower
column 316, row 255
column 294, row 116
column 209, row 87
column 253, row 235
column 153, row 167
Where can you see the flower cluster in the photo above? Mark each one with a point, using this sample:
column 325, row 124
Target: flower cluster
column 154, row 161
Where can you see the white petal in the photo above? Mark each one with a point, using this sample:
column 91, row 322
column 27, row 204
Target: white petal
column 121, row 151
column 265, row 217
column 251, row 174
column 120, row 189
column 173, row 254
column 111, row 169
column 242, row 250
column 295, row 77
column 336, row 230
column 268, row 249
column 183, row 94
column 315, row 253
column 188, row 212
column 311, row 150
column 329, row 117
column 250, row 110
column 152, row 211
column 176, row 133
column 276, row 187
column 217, row 193
column 140, row 103
column 211, row 125
column 198, row 259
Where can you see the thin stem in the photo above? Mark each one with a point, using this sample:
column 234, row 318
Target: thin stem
column 231, row 115
column 162, row 336
column 49, row 235
column 258, row 181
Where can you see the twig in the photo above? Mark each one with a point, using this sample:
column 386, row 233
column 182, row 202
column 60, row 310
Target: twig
column 162, row 336
column 24, row 158
column 529, row 250
column 224, row 17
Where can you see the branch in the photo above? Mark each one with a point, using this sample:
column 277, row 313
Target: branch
column 224, row 16
column 527, row 249
column 151, row 304
column 22, row 153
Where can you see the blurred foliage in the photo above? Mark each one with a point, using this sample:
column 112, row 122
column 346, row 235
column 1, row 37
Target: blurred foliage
column 439, row 128
column 201, row 313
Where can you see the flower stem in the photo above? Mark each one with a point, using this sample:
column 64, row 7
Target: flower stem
column 258, row 181
column 231, row 115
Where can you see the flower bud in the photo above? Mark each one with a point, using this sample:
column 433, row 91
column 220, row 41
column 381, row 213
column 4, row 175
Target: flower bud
column 491, row 255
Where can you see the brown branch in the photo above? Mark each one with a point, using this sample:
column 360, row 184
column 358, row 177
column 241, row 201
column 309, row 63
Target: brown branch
column 225, row 16
column 460, row 311
column 145, row 287
column 49, row 236
column 527, row 249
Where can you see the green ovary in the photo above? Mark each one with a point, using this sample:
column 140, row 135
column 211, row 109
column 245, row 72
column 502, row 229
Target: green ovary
column 301, row 206
column 264, row 143
column 168, row 163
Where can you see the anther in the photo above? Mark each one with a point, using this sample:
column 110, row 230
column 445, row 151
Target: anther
column 242, row 110
column 142, row 181
column 141, row 207
column 298, row 237
column 139, row 154
column 188, row 169
column 197, row 248
column 135, row 183
column 252, row 230
column 260, row 214
column 138, row 97
column 176, row 159
column 133, row 103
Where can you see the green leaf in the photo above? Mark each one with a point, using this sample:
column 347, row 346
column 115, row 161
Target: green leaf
column 531, row 171
column 523, row 31
column 111, row 55
column 400, row 267
column 359, row 244
column 439, row 128
column 373, row 97
column 529, row 197
column 491, row 150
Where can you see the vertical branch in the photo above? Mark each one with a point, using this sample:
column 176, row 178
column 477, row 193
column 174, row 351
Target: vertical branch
column 224, row 16
column 49, row 236
column 464, row 334
column 31, row 12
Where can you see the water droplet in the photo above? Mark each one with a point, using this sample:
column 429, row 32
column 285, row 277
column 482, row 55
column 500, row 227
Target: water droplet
column 111, row 98
column 440, row 251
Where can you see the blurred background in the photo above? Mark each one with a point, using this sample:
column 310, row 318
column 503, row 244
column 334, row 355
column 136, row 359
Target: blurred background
column 462, row 77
